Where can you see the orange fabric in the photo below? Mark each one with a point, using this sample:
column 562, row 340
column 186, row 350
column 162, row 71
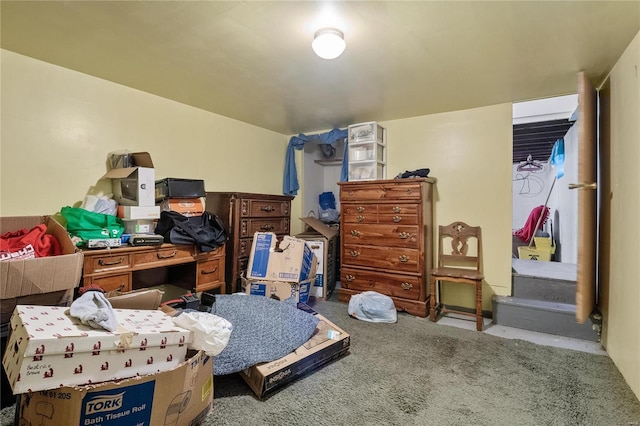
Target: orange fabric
column 528, row 230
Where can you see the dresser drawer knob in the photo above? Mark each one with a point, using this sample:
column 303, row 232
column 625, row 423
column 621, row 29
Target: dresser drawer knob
column 355, row 232
column 168, row 256
column 397, row 209
column 406, row 286
column 102, row 262
column 360, row 209
column 351, row 192
column 349, row 278
column 360, row 218
column 397, row 219
column 203, row 272
column 403, row 258
column 409, row 191
column 404, row 235
column 354, row 253
column 267, row 227
column 268, row 208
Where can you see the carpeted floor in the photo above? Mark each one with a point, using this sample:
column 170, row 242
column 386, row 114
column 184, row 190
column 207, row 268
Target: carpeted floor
column 416, row 372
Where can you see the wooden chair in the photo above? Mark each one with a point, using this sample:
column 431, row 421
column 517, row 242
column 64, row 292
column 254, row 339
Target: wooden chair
column 455, row 265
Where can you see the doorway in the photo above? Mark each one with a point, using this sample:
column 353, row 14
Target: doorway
column 540, row 190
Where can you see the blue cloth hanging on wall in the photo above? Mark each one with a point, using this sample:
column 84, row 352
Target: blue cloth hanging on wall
column 557, row 157
column 290, row 184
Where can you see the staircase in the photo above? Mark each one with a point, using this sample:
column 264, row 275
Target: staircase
column 543, row 300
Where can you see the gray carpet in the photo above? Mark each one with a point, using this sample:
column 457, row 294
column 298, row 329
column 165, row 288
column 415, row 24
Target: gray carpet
column 415, row 372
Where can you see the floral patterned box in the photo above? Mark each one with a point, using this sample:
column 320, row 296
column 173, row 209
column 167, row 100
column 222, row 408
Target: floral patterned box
column 48, row 348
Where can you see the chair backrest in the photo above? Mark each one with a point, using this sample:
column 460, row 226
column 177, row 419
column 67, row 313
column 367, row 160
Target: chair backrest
column 462, row 237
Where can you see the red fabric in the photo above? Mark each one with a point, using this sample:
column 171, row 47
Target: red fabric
column 27, row 244
column 528, row 230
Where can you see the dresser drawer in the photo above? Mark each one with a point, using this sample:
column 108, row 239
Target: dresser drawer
column 108, row 262
column 405, row 214
column 407, row 236
column 162, row 256
column 383, row 191
column 248, row 227
column 264, row 208
column 394, row 285
column 359, row 213
column 392, row 259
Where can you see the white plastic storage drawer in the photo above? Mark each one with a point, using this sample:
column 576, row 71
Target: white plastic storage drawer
column 368, row 151
column 366, row 171
column 366, row 132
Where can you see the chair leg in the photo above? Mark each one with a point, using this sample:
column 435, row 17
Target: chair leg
column 432, row 299
column 479, row 321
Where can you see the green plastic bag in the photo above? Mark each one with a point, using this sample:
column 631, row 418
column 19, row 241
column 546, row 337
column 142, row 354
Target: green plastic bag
column 89, row 225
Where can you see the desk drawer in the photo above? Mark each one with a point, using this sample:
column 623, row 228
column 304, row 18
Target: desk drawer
column 120, row 282
column 162, row 256
column 209, row 272
column 108, row 262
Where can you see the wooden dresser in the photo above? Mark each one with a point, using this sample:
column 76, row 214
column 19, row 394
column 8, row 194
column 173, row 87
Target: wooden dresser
column 386, row 235
column 130, row 268
column 244, row 214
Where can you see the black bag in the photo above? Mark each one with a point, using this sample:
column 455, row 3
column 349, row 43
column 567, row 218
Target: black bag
column 205, row 231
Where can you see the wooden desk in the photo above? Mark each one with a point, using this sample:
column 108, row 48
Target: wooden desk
column 130, row 268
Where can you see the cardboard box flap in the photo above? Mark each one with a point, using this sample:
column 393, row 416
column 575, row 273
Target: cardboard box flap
column 51, row 330
column 141, row 159
column 318, row 226
column 15, row 223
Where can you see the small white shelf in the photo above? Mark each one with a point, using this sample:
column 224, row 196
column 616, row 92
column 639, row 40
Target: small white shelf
column 334, row 162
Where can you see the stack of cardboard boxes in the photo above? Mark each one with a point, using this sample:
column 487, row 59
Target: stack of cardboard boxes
column 280, row 270
column 185, row 196
column 73, row 374
column 134, row 191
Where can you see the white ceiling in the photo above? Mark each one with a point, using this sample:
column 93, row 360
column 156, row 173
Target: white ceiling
column 252, row 60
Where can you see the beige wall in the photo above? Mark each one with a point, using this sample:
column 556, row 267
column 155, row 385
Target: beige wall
column 474, row 183
column 621, row 323
column 59, row 125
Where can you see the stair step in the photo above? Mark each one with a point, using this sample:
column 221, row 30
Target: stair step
column 542, row 316
column 546, row 281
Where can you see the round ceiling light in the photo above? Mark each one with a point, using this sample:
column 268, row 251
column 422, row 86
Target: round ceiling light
column 328, row 43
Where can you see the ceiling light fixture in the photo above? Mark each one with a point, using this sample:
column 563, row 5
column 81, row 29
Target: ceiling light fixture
column 328, row 43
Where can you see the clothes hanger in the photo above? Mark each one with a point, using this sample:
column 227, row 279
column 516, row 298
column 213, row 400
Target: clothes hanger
column 529, row 166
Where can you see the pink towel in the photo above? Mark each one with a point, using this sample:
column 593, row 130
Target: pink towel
column 529, row 229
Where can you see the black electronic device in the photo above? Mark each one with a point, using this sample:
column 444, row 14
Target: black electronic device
column 146, row 240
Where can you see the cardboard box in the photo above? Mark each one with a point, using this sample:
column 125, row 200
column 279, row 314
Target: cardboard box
column 291, row 260
column 43, row 274
column 48, row 348
column 185, row 206
column 139, row 212
column 323, row 241
column 143, row 299
column 181, row 396
column 134, row 186
column 139, row 226
column 62, row 298
column 328, row 343
column 279, row 290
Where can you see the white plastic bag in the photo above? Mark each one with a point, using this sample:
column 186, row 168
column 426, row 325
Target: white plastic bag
column 373, row 307
column 211, row 333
